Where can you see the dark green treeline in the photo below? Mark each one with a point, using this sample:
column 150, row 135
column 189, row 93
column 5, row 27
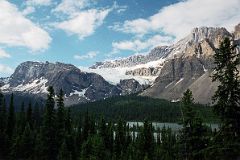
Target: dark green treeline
column 52, row 134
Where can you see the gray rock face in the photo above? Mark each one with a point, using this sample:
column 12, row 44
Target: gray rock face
column 151, row 71
column 236, row 32
column 129, row 86
column 34, row 78
column 3, row 81
column 189, row 65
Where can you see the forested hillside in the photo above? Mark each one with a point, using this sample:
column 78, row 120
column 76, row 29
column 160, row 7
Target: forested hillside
column 137, row 108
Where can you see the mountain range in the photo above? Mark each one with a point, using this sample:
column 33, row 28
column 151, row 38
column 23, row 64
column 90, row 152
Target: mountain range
column 166, row 72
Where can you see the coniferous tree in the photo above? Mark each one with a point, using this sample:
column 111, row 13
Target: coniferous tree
column 146, row 141
column 86, row 127
column 193, row 135
column 29, row 115
column 3, row 125
column 94, row 148
column 26, row 145
column 68, row 122
column 119, row 139
column 3, row 113
column 60, row 121
column 21, row 120
column 78, row 139
column 37, row 116
column 49, row 149
column 64, row 153
column 11, row 121
column 166, row 144
column 227, row 101
column 110, row 139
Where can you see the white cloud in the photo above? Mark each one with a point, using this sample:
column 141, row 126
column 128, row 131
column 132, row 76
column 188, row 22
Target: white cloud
column 70, row 7
column 5, row 70
column 4, row 54
column 119, row 8
column 28, row 10
column 17, row 30
column 89, row 55
column 140, row 45
column 179, row 18
column 38, row 2
column 84, row 23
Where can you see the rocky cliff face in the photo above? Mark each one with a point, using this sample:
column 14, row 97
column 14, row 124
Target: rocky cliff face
column 34, row 78
column 129, row 86
column 189, row 65
column 236, row 32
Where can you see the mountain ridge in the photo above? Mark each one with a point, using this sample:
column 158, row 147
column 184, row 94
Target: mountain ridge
column 167, row 70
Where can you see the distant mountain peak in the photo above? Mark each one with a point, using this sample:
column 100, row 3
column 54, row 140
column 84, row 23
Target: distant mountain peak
column 34, row 78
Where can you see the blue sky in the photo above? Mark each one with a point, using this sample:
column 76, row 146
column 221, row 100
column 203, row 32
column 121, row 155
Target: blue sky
column 82, row 32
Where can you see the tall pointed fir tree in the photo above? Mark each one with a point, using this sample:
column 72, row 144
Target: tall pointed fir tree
column 27, row 143
column 227, row 100
column 120, row 139
column 23, row 146
column 145, row 141
column 48, row 130
column 60, row 121
column 193, row 135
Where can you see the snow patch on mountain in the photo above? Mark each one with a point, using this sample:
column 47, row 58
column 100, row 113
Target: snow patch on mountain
column 179, row 81
column 115, row 74
column 79, row 93
column 156, row 63
column 36, row 86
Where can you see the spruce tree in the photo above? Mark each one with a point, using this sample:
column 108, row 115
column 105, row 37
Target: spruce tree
column 146, row 141
column 26, row 144
column 68, row 122
column 193, row 135
column 119, row 139
column 49, row 149
column 227, row 100
column 60, row 121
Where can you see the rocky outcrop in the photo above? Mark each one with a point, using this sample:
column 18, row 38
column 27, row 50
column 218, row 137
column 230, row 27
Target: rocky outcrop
column 236, row 32
column 129, row 86
column 151, row 71
column 189, row 65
